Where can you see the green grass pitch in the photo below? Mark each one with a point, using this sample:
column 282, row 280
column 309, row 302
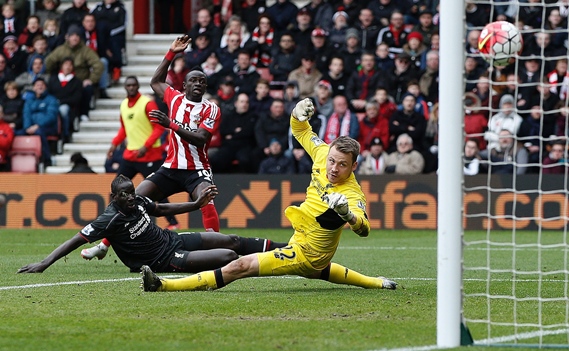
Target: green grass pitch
column 98, row 305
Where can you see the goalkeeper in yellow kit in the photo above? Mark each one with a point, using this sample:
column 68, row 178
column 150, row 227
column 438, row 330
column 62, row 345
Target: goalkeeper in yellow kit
column 333, row 198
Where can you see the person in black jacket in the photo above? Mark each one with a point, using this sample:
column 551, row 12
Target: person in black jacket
column 68, row 89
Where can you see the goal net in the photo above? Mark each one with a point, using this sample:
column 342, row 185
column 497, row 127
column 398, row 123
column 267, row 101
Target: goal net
column 514, row 275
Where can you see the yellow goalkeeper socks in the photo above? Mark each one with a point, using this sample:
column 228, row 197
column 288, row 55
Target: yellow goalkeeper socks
column 200, row 281
column 338, row 274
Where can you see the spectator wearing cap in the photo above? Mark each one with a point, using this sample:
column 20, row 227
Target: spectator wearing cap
column 363, row 82
column 336, row 76
column 322, row 51
column 399, row 77
column 40, row 117
column 322, row 98
column 276, row 162
column 394, row 35
column 373, row 125
column 302, row 29
column 282, row 13
column 286, row 58
column 407, row 121
column 261, row 42
column 307, row 75
column 368, row 29
column 373, row 159
column 352, row 8
column 204, row 24
column 244, row 74
column 88, row 66
column 226, row 94
column 200, row 52
column 351, row 50
column 382, row 10
column 337, row 34
column 426, row 26
column 15, row 58
column 321, row 13
column 415, row 48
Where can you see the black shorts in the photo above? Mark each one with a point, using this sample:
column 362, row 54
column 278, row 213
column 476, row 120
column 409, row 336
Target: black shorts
column 176, row 262
column 172, row 181
column 129, row 168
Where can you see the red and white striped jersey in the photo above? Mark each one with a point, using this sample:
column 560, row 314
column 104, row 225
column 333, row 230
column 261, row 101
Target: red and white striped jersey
column 191, row 116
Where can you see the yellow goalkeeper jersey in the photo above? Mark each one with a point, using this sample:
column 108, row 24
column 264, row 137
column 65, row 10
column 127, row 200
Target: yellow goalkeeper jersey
column 318, row 228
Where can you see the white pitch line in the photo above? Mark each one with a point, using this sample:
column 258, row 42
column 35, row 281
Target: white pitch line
column 492, row 341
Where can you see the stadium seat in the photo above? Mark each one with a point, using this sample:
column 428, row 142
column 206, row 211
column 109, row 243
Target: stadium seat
column 276, row 94
column 25, row 154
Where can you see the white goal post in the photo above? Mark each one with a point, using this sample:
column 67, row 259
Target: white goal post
column 449, row 212
column 507, row 283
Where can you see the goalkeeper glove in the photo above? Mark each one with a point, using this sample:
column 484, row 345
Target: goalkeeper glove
column 339, row 203
column 303, row 110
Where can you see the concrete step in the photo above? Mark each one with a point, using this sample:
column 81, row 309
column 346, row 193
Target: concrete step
column 101, row 115
column 103, row 104
column 104, row 138
column 142, row 80
column 65, row 169
column 145, row 60
column 96, row 126
column 158, row 38
column 139, row 70
column 93, row 148
column 147, row 48
column 93, row 159
column 120, row 93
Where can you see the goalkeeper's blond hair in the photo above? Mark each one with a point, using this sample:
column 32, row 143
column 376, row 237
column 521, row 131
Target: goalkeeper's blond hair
column 347, row 145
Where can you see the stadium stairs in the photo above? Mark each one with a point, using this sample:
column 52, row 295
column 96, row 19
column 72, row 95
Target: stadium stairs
column 145, row 52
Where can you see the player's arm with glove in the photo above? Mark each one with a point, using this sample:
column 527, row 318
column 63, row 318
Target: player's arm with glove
column 302, row 130
column 358, row 221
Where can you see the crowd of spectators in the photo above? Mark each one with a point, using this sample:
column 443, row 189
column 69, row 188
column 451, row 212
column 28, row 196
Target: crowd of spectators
column 371, row 67
column 55, row 64
column 372, row 71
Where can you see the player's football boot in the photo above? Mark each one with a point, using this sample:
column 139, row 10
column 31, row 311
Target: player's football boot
column 388, row 284
column 150, row 281
column 173, row 227
column 100, row 251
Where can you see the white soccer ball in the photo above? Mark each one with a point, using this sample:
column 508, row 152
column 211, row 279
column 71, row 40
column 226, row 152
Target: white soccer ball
column 500, row 42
